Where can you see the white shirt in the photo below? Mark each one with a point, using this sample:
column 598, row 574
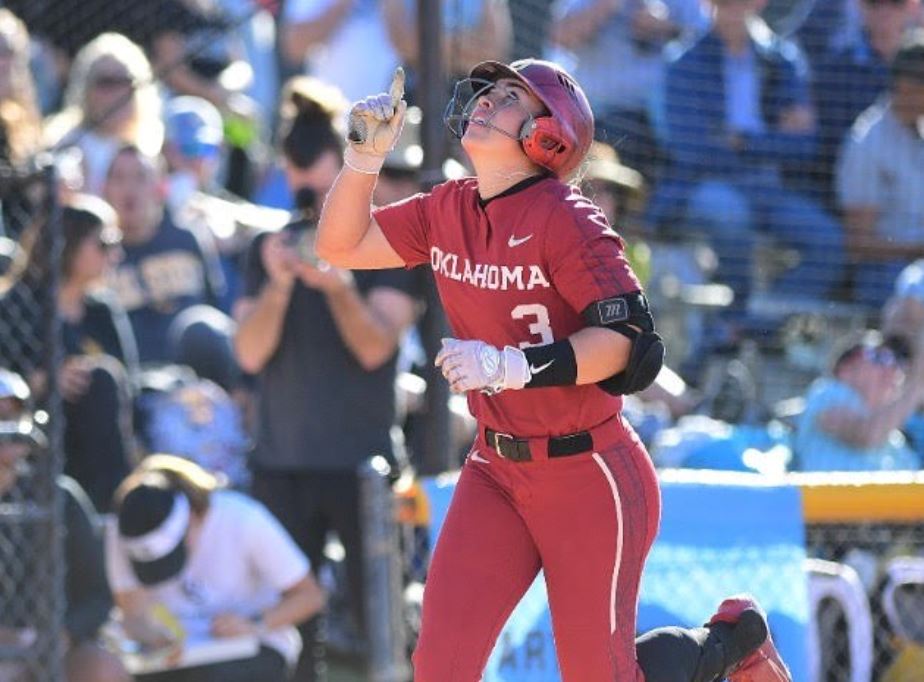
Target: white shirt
column 358, row 56
column 243, row 561
column 882, row 166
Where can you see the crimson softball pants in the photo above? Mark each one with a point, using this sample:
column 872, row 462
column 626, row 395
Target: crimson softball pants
column 588, row 521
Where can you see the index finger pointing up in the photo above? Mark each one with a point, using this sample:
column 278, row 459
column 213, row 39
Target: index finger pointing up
column 397, row 87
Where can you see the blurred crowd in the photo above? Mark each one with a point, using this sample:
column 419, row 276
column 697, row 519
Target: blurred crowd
column 758, row 157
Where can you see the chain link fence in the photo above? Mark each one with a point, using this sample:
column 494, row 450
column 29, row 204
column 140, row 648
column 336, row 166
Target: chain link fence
column 32, row 603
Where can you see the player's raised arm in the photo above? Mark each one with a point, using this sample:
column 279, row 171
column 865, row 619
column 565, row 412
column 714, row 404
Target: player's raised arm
column 348, row 236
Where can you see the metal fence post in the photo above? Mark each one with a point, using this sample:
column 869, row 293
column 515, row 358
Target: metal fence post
column 32, row 562
column 382, row 573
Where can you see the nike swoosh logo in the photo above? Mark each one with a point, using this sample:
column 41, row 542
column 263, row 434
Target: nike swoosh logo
column 536, row 370
column 475, row 457
column 513, row 241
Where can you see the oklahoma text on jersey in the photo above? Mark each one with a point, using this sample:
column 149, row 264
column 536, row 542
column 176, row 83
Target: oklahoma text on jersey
column 485, row 275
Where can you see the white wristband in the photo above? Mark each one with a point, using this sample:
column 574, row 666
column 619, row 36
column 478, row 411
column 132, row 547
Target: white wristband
column 516, row 368
column 367, row 164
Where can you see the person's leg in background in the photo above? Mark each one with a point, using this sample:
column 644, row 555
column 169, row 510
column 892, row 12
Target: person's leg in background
column 97, row 432
column 483, row 564
column 342, row 505
column 293, row 497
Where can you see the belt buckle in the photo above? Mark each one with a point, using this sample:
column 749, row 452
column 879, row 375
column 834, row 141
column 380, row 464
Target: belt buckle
column 497, row 442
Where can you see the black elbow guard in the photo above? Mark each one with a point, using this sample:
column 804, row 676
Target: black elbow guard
column 645, row 361
column 630, row 316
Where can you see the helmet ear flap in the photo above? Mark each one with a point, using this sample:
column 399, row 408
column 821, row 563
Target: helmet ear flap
column 543, row 140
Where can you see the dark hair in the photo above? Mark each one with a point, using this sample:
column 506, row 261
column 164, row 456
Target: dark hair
column 307, row 123
column 909, row 60
column 79, row 217
column 79, row 220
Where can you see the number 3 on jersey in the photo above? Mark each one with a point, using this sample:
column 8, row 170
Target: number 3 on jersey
column 539, row 323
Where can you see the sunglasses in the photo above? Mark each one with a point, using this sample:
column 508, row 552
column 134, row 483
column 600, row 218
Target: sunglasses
column 881, row 356
column 113, row 82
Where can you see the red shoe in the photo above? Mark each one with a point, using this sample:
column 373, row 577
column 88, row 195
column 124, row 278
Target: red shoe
column 764, row 664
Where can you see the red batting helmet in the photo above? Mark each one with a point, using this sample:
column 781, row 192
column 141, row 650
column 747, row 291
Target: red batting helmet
column 561, row 140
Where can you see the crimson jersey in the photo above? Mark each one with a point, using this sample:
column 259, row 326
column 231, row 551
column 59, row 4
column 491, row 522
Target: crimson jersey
column 517, row 270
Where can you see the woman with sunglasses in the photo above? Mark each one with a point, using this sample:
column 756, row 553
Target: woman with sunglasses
column 852, row 418
column 551, row 329
column 111, row 101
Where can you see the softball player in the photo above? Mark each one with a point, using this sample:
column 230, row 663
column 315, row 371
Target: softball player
column 551, row 329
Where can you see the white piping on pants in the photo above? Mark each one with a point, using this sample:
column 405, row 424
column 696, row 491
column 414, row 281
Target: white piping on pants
column 619, row 530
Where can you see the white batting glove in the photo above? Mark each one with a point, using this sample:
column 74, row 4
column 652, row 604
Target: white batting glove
column 375, row 126
column 478, row 366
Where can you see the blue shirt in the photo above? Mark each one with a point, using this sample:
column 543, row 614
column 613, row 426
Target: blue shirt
column 817, row 450
column 742, row 92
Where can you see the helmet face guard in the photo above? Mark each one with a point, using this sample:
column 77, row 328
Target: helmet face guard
column 465, row 95
column 558, row 140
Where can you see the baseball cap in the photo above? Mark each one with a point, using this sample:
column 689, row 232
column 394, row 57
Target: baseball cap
column 194, row 126
column 13, row 386
column 910, row 281
column 604, row 164
column 909, row 60
column 153, row 520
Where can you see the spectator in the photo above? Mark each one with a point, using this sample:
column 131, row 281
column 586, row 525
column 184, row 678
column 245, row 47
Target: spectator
column 20, row 121
column 632, row 34
column 100, row 361
column 472, row 32
column 86, row 592
column 321, row 341
column 186, row 40
column 276, row 189
column 879, row 179
column 111, row 100
column 852, row 418
column 737, row 113
column 194, row 149
column 850, row 79
column 167, row 268
column 216, row 561
column 342, row 42
column 902, row 326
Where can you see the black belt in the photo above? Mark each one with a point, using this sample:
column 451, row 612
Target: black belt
column 517, row 449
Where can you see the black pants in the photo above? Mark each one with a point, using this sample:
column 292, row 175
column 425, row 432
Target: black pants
column 97, row 433
column 309, row 505
column 267, row 666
